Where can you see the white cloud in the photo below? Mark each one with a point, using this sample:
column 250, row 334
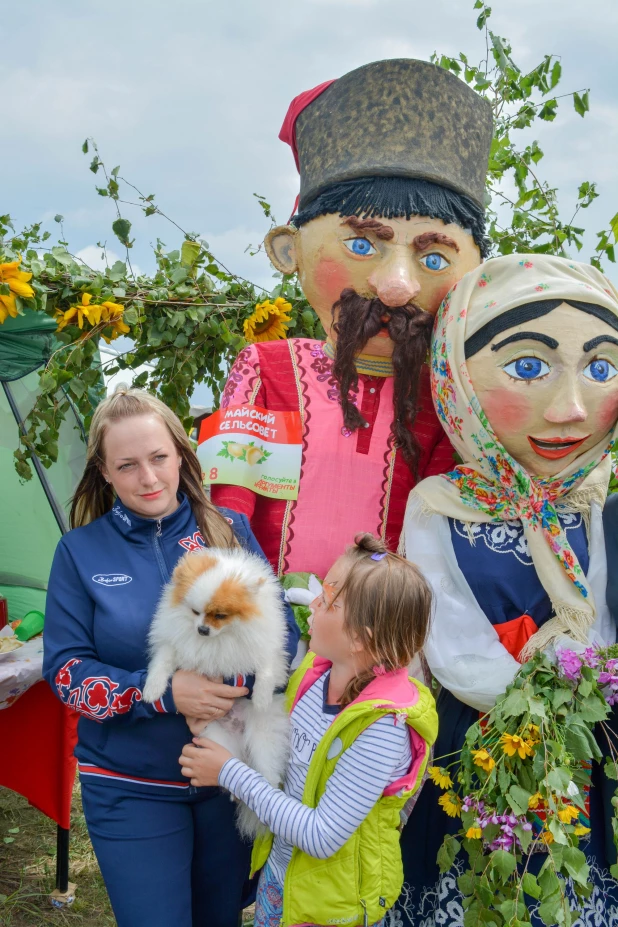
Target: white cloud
column 190, row 105
column 98, row 259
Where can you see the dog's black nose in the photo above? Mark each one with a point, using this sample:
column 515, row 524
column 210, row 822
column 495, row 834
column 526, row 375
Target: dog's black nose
column 203, row 629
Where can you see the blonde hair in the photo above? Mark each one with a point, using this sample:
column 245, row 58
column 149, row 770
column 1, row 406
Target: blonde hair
column 387, row 607
column 94, row 496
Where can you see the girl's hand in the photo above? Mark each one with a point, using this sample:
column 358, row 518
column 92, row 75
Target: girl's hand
column 196, row 696
column 203, row 763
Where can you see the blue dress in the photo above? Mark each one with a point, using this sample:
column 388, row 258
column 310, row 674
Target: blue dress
column 499, row 570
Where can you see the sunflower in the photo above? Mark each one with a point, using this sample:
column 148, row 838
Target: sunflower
column 440, row 777
column 268, row 322
column 17, row 282
column 546, row 837
column 474, row 833
column 450, row 803
column 513, row 743
column 484, row 759
column 581, row 831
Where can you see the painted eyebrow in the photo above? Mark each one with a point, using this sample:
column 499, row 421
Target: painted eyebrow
column 594, row 342
column 424, row 241
column 380, row 230
column 528, row 336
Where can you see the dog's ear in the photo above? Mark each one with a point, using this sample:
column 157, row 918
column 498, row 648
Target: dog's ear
column 187, row 571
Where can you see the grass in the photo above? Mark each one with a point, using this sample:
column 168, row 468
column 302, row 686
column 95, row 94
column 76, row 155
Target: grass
column 28, row 869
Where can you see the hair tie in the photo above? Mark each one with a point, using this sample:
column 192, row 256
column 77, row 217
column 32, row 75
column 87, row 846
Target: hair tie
column 379, row 556
column 379, row 670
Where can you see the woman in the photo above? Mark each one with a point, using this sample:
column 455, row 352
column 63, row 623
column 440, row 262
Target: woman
column 169, row 853
column 525, row 381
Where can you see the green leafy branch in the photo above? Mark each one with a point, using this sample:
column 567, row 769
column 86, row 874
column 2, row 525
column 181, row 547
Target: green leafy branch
column 520, row 788
column 531, row 222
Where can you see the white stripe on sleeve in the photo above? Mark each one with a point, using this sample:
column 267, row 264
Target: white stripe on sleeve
column 360, row 776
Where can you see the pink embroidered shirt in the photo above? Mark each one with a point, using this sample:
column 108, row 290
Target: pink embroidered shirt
column 350, row 483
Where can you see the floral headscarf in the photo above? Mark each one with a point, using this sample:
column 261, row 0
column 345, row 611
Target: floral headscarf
column 490, row 485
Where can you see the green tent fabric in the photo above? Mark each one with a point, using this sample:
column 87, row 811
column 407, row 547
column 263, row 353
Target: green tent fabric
column 33, row 515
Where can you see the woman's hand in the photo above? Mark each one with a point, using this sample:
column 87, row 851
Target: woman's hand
column 203, row 763
column 198, row 698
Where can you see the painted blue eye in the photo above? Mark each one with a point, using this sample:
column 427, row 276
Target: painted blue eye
column 527, row 368
column 600, row 370
column 434, row 261
column 360, row 246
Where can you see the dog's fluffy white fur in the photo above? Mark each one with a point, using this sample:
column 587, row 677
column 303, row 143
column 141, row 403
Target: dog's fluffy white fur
column 222, row 615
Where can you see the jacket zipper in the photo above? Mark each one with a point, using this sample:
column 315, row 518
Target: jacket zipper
column 360, row 887
column 158, row 552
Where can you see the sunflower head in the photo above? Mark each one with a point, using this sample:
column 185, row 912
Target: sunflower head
column 16, row 282
column 440, row 777
column 269, row 321
column 513, row 743
column 451, row 803
column 484, row 759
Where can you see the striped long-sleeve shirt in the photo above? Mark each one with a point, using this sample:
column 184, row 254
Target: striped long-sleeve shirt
column 379, row 756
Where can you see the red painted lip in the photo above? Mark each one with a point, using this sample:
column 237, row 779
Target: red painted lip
column 564, row 446
column 151, row 495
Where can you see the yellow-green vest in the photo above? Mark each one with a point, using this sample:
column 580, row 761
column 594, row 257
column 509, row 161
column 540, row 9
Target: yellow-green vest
column 361, row 881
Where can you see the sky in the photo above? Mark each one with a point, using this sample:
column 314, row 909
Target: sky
column 188, row 98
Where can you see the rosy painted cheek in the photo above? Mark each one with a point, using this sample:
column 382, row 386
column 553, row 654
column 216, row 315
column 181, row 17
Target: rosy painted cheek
column 435, row 298
column 331, row 278
column 506, row 410
column 608, row 411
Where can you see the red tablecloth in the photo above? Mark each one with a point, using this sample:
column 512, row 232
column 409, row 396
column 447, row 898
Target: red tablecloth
column 37, row 738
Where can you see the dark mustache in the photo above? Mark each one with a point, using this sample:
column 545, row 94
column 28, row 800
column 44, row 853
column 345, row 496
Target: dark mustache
column 363, row 318
column 409, row 327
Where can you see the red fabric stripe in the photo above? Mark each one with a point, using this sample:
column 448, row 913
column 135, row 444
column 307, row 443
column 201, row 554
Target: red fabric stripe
column 99, row 771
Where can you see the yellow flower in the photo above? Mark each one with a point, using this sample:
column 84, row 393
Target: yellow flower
column 547, row 837
column 112, row 314
column 17, row 281
column 483, row 759
column 75, row 315
column 107, row 314
column 513, row 743
column 440, row 776
column 450, row 803
column 568, row 813
column 533, row 735
column 474, row 833
column 536, row 801
column 268, row 321
column 580, row 830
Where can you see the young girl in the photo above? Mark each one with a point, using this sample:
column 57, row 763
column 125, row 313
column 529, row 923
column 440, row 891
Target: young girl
column 360, row 735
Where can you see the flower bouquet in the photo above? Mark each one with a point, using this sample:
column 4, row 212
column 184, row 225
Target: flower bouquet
column 521, row 787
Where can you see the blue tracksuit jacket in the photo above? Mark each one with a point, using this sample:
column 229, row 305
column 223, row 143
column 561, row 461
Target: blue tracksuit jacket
column 104, row 586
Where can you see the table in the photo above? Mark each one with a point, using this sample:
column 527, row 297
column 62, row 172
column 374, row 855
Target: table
column 38, row 735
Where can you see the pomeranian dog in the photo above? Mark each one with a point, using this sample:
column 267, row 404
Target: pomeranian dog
column 221, row 615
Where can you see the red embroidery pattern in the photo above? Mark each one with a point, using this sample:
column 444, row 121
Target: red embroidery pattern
column 195, row 541
column 239, row 371
column 96, row 697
